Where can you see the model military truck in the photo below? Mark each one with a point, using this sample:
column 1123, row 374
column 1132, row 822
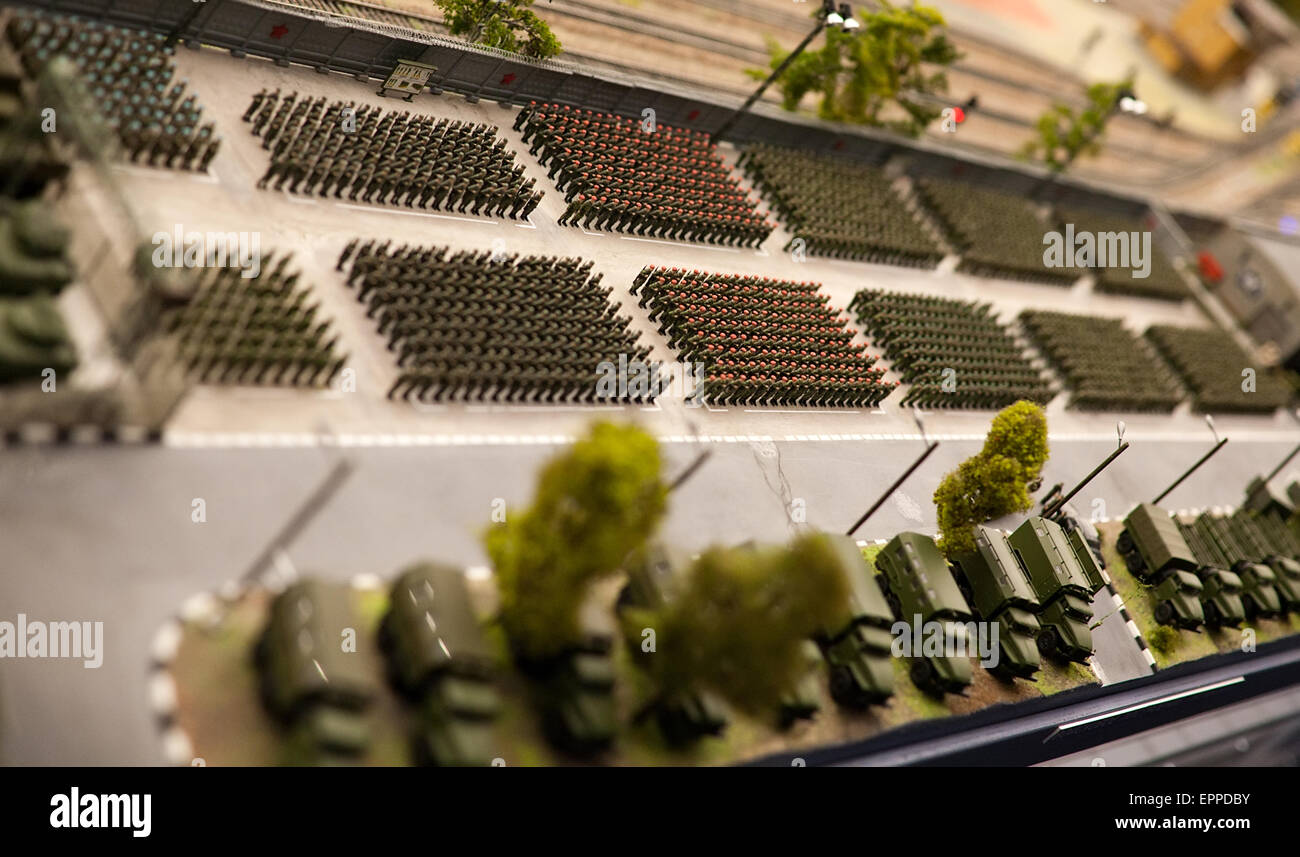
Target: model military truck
column 653, row 580
column 1152, row 545
column 574, row 691
column 1272, row 511
column 309, row 683
column 1263, row 520
column 33, row 250
column 1086, row 557
column 858, row 653
column 1281, row 538
column 1221, row 592
column 1178, row 600
column 1287, row 573
column 1064, row 591
column 1255, row 530
column 1258, row 597
column 1262, row 553
column 998, row 589
column 916, row 582
column 1153, row 548
column 1247, row 535
column 1261, row 498
column 1073, row 522
column 437, row 655
column 32, row 339
column 576, row 701
column 801, row 702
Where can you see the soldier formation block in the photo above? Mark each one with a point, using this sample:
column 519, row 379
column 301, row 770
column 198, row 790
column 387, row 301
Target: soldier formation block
column 391, row 157
column 955, row 354
column 762, row 341
column 478, row 325
column 129, row 75
column 1104, row 365
column 997, row 235
column 256, row 330
column 1163, row 281
column 839, row 208
column 1213, row 367
column 627, row 175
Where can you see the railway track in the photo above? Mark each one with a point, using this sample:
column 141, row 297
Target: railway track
column 708, row 51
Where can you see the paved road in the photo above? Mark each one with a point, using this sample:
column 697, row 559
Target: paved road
column 105, row 534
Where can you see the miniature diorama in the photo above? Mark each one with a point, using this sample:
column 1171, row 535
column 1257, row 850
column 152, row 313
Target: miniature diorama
column 471, row 384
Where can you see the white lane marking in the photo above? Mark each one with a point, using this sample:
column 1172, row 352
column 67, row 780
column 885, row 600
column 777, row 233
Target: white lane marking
column 780, row 411
column 681, row 244
column 212, row 439
column 381, row 210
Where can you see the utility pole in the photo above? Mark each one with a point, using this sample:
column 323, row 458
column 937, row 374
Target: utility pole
column 1204, row 458
column 931, row 446
column 828, row 14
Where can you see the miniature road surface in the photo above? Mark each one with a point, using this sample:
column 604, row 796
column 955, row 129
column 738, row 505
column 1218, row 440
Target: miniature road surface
column 106, row 534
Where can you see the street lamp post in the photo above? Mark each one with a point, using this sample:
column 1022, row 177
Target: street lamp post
column 1125, row 102
column 829, row 14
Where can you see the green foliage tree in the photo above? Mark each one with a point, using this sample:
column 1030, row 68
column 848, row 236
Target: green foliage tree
column 594, row 504
column 1019, row 432
column 1065, row 133
column 510, row 25
column 887, row 61
column 995, row 481
column 738, row 626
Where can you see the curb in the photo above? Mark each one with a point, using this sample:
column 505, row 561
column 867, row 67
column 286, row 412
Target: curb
column 177, row 747
column 47, row 434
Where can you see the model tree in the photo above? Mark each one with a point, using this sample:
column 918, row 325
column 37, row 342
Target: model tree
column 510, row 25
column 739, row 623
column 888, row 65
column 594, row 504
column 1065, row 133
column 994, row 482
